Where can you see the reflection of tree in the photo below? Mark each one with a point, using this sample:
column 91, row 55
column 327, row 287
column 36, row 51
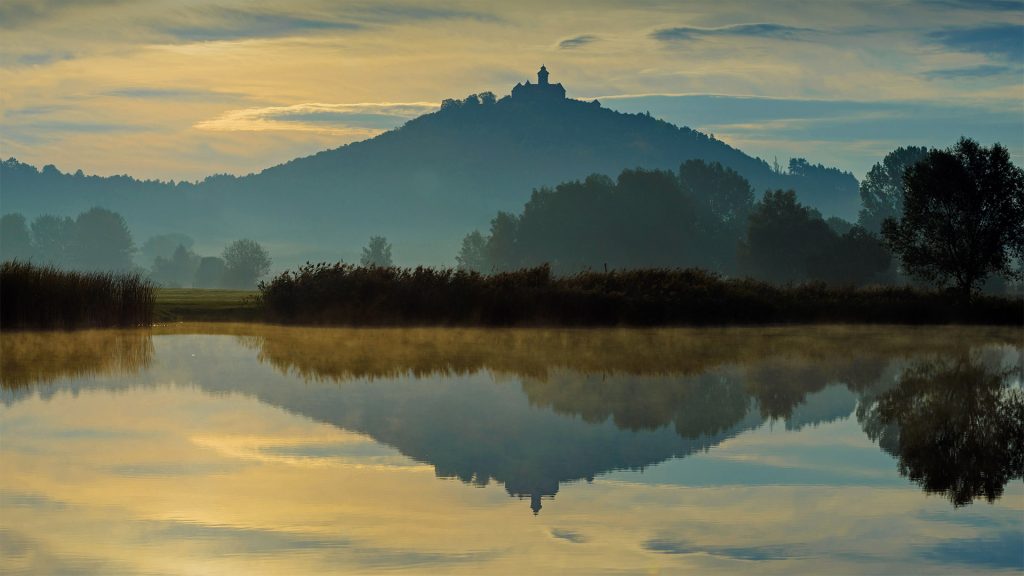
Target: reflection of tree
column 956, row 426
column 698, row 406
column 40, row 357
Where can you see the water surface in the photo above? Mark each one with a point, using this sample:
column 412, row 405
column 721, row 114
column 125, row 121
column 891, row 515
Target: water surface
column 255, row 449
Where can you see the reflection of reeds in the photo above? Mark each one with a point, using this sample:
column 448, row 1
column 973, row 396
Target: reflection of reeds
column 345, row 353
column 41, row 357
column 34, row 297
column 344, row 294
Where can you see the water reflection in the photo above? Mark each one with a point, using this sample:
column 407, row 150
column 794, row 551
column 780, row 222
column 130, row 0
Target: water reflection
column 955, row 424
column 946, row 403
column 29, row 358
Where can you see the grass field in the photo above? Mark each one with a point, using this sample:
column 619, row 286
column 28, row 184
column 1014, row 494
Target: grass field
column 196, row 304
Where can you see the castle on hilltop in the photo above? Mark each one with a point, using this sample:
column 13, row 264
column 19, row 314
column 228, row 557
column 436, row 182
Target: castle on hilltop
column 542, row 90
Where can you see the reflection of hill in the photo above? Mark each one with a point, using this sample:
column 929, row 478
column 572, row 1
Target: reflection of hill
column 38, row 357
column 588, row 401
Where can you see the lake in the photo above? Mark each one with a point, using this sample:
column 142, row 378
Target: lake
column 249, row 449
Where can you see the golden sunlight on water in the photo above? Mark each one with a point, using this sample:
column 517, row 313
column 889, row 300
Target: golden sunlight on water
column 227, row 449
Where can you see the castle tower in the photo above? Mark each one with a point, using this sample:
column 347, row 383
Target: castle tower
column 542, row 76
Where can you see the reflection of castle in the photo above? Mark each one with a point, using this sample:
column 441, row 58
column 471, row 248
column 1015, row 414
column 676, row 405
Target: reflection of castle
column 539, row 91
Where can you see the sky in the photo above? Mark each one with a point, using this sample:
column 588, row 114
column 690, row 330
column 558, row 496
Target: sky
column 181, row 89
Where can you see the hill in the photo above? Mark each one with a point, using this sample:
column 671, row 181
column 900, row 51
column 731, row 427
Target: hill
column 423, row 185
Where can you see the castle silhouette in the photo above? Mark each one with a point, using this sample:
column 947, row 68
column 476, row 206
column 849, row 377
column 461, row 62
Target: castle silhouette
column 542, row 90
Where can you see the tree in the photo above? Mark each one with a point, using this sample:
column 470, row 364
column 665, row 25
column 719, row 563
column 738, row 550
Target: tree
column 856, row 257
column 210, row 273
column 102, row 241
column 54, row 238
column 728, row 198
column 177, row 271
column 963, row 216
column 377, row 253
column 502, row 250
column 881, row 191
column 473, row 254
column 245, row 262
column 163, row 245
column 15, row 241
column 782, row 235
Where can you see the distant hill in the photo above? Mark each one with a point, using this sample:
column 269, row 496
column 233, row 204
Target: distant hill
column 423, row 185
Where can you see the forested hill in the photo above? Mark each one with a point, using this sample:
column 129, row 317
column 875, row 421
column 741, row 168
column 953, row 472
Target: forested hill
column 423, row 185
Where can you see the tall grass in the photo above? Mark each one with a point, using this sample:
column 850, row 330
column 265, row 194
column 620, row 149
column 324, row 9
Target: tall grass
column 349, row 295
column 43, row 297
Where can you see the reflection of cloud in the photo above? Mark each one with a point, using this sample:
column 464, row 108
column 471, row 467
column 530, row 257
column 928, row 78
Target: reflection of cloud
column 577, row 41
column 368, row 118
column 1004, row 550
column 759, row 30
column 574, row 537
column 1000, row 40
column 778, row 552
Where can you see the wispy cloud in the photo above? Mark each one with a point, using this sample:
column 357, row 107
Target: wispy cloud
column 998, row 40
column 349, row 119
column 147, row 93
column 982, row 71
column 17, row 13
column 757, row 30
column 974, row 5
column 577, row 41
column 212, row 24
column 42, row 58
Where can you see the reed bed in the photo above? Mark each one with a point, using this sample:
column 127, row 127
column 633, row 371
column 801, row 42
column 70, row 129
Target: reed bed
column 343, row 294
column 43, row 297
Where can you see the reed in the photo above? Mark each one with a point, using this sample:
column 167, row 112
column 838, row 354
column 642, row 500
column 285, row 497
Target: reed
column 343, row 294
column 43, row 297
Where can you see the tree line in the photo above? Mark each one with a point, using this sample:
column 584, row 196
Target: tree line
column 952, row 217
column 98, row 240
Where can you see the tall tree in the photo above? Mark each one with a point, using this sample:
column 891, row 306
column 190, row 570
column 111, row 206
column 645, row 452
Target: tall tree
column 881, row 191
column 15, row 241
column 473, row 254
column 245, row 262
column 728, row 199
column 963, row 216
column 54, row 237
column 377, row 253
column 102, row 241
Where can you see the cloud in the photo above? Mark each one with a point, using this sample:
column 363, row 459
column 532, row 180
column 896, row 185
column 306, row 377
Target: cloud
column 15, row 14
column 577, row 41
column 171, row 94
column 759, row 30
column 233, row 24
column 999, row 40
column 380, row 13
column 367, row 119
column 982, row 71
column 974, row 5
column 42, row 58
